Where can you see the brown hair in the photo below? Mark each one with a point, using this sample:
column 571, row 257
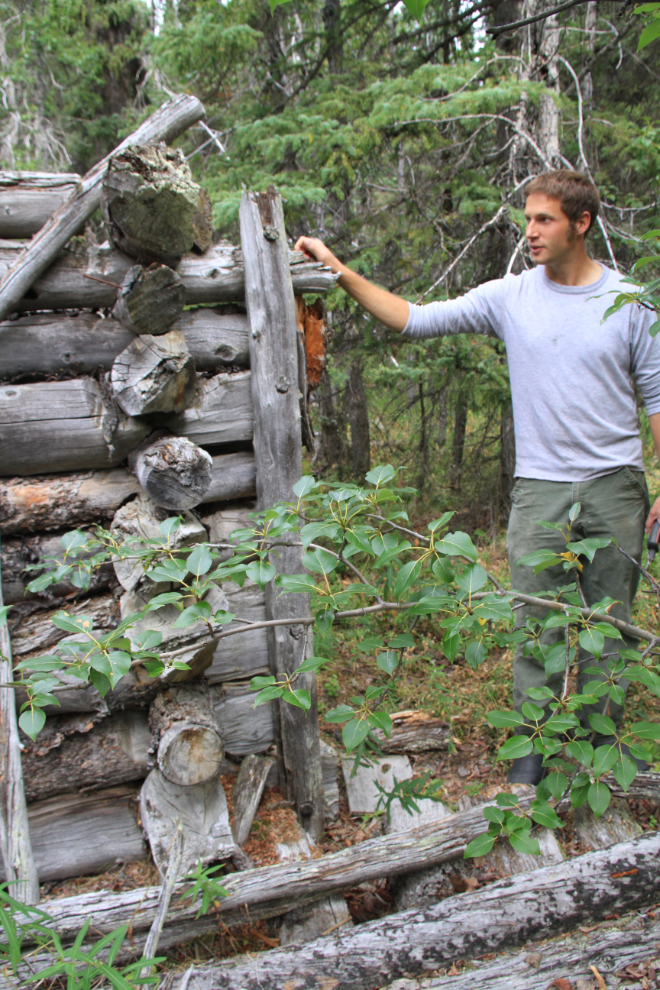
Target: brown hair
column 575, row 192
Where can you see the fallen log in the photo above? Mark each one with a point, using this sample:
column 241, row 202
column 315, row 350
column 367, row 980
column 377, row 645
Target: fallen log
column 170, row 120
column 73, row 752
column 154, row 375
column 52, row 343
column 152, row 207
column 218, row 276
column 150, row 299
column 28, row 200
column 247, row 793
column 507, row 913
column 174, row 472
column 62, row 426
column 185, row 733
column 63, row 501
column 414, row 732
column 222, row 413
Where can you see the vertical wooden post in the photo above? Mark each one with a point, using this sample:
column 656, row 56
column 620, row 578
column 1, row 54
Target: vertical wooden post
column 14, row 832
column 278, row 456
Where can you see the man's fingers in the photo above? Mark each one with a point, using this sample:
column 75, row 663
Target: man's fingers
column 304, row 244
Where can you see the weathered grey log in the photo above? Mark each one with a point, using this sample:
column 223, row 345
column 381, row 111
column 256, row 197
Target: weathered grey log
column 62, row 501
column 414, row 732
column 73, row 696
column 330, row 768
column 150, row 300
column 215, row 277
column 166, row 891
column 278, row 458
column 247, row 793
column 245, row 656
column 185, row 734
column 51, row 343
column 15, row 840
column 152, row 207
column 170, row 120
column 222, row 412
column 17, row 553
column 507, row 913
column 62, row 426
column 141, row 518
column 174, row 472
column 616, row 825
column 73, row 752
column 28, row 199
column 37, row 634
column 244, row 729
column 154, row 375
column 74, row 834
column 202, row 811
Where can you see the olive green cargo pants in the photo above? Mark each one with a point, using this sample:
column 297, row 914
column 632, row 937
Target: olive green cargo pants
column 615, row 505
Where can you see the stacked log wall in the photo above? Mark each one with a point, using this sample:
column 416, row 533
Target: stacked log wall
column 64, row 464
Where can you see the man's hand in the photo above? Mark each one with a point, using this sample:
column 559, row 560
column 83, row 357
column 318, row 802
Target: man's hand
column 653, row 515
column 315, row 250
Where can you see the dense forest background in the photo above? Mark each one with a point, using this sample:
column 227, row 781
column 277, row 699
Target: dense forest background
column 404, row 145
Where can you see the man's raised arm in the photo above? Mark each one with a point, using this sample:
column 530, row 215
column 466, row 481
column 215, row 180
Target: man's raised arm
column 385, row 306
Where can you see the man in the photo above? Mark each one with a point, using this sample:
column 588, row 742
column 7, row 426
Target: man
column 574, row 408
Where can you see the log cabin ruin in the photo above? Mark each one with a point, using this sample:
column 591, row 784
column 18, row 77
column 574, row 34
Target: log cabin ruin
column 148, row 370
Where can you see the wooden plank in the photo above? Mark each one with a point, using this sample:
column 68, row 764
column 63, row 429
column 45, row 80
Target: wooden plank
column 28, row 199
column 506, row 913
column 170, row 120
column 215, row 277
column 278, row 457
column 247, row 793
column 222, row 413
column 62, row 426
column 52, row 343
column 15, row 840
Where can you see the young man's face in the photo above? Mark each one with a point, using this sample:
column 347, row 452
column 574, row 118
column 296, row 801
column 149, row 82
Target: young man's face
column 550, row 234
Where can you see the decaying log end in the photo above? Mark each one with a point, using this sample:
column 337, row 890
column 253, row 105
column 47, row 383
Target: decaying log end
column 154, row 374
column 173, row 471
column 154, row 209
column 185, row 732
column 150, row 300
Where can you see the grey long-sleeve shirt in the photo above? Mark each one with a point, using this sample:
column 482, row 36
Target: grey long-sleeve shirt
column 574, row 409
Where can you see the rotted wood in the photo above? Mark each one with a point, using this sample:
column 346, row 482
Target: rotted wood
column 152, row 207
column 278, row 456
column 15, row 840
column 17, row 553
column 62, row 426
column 28, row 199
column 75, row 752
column 200, row 810
column 214, row 277
column 174, row 472
column 154, row 375
column 506, row 913
column 56, row 343
column 222, row 413
column 150, row 300
column 247, row 793
column 414, row 732
column 185, row 734
column 60, row 501
column 170, row 120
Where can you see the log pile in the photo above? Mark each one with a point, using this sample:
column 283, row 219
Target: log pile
column 126, row 395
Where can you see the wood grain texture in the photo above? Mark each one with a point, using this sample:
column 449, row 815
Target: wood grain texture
column 150, row 299
column 173, row 471
column 37, row 634
column 53, row 343
column 170, row 120
column 247, row 793
column 215, row 277
column 244, row 729
column 154, row 375
column 222, row 412
column 273, row 341
column 17, row 553
column 28, row 199
column 62, row 426
column 245, row 656
column 185, row 732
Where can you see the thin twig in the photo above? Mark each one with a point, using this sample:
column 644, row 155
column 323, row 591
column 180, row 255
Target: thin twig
column 652, row 581
column 166, row 891
column 500, row 28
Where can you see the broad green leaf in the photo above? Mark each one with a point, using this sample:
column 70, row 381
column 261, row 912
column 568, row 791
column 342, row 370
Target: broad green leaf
column 457, row 544
column 261, row 572
column 556, row 619
column 114, row 665
column 404, row 641
column 76, row 538
column 579, row 795
column 625, row 771
column 223, row 618
column 388, row 661
column 475, row 653
column 645, row 730
column 592, row 640
column 507, row 800
column 602, row 724
column 319, row 561
column 305, row 485
column 539, row 560
column 200, row 560
column 296, row 583
column 339, row 714
column 381, row 720
column 532, row 712
column 538, row 694
column 644, row 676
column 161, row 600
column 650, row 33
column 505, row 720
column 298, row 697
column 472, row 579
column 543, row 814
column 73, row 624
column 587, row 548
column 194, row 613
column 380, row 474
column 406, row 576
column 574, row 511
column 515, row 747
column 32, row 722
column 149, row 639
column 261, row 681
column 268, row 694
column 556, row 783
column 598, row 797
column 169, row 526
column 480, row 846
column 524, row 843
column 370, row 643
column 604, row 759
column 312, row 531
column 581, row 751
column 494, row 814
column 441, row 522
column 169, row 570
column 354, row 732
column 312, row 664
column 561, row 723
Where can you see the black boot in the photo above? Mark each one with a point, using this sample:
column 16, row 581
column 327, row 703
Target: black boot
column 527, row 770
column 611, row 741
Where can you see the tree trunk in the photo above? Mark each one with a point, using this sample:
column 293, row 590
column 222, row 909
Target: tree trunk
column 549, row 33
column 358, row 418
column 507, row 913
column 278, row 456
column 174, row 472
column 154, row 375
column 247, row 793
column 66, row 501
column 458, row 442
column 150, row 300
column 28, row 200
column 72, row 753
column 152, row 207
column 507, row 457
column 333, row 34
column 165, row 124
column 331, row 452
column 185, row 731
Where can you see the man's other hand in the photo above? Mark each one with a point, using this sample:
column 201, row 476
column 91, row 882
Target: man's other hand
column 315, row 250
column 653, row 515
